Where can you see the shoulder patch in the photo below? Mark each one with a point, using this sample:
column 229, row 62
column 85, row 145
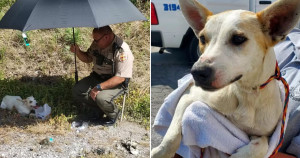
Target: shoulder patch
column 122, row 57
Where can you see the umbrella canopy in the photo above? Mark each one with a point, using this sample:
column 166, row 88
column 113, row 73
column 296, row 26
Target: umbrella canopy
column 27, row 15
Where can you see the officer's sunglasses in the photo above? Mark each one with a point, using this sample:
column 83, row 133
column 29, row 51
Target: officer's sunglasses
column 97, row 40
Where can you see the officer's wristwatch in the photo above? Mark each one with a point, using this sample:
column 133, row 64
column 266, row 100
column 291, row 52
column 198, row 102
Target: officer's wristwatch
column 99, row 87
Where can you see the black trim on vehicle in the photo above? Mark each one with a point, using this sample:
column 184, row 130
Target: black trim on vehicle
column 265, row 2
column 156, row 39
column 188, row 36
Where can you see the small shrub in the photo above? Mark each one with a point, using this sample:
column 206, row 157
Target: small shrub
column 68, row 37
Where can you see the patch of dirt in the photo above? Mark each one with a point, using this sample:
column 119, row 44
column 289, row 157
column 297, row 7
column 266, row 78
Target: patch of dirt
column 29, row 137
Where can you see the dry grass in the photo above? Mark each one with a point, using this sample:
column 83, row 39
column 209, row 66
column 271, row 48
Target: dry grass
column 58, row 125
column 11, row 121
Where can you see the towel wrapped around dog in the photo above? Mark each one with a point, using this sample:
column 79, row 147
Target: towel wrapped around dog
column 202, row 127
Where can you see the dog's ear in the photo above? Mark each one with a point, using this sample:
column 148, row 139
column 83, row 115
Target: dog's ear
column 195, row 14
column 279, row 18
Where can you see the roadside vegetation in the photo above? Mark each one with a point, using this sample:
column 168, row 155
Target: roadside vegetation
column 45, row 69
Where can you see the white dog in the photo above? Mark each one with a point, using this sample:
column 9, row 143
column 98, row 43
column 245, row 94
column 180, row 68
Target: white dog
column 237, row 58
column 23, row 106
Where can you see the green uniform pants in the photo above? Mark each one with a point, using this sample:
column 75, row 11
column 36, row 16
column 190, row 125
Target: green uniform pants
column 104, row 99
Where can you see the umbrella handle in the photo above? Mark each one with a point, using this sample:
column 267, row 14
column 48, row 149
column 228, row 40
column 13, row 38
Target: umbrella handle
column 76, row 72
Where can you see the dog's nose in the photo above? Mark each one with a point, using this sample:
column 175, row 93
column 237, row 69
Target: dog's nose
column 203, row 75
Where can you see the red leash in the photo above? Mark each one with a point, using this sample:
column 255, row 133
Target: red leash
column 277, row 76
column 286, row 102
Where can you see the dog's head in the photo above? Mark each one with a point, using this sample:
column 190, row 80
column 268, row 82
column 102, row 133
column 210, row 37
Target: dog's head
column 234, row 43
column 30, row 102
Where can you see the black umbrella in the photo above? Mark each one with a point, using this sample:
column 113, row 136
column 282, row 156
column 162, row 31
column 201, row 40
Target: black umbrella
column 27, row 15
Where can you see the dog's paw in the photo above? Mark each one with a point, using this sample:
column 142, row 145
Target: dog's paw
column 259, row 143
column 160, row 152
column 157, row 152
column 257, row 148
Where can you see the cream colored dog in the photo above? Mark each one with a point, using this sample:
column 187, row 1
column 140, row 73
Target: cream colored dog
column 237, row 58
column 22, row 106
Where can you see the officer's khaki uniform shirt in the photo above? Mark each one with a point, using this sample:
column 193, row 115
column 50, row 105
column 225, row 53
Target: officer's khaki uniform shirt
column 123, row 59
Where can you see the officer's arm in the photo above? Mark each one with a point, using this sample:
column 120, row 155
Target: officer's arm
column 83, row 56
column 112, row 82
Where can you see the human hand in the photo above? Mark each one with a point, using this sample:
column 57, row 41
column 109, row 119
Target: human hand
column 94, row 93
column 72, row 48
column 283, row 155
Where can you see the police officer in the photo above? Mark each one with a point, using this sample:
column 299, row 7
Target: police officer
column 113, row 64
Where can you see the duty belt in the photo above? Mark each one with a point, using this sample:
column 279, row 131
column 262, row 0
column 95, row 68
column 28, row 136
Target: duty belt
column 103, row 77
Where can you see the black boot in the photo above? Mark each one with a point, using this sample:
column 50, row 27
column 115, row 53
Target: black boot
column 111, row 119
column 91, row 115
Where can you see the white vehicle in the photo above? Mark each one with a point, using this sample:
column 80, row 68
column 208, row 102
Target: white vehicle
column 169, row 29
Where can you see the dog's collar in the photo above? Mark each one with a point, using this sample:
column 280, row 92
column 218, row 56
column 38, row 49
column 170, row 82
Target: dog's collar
column 256, row 89
column 277, row 76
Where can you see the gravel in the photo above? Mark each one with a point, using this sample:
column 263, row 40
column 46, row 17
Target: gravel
column 126, row 139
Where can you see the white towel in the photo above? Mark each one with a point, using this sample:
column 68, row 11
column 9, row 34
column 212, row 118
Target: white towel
column 203, row 127
column 43, row 112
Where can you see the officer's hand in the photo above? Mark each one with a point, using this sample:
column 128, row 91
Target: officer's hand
column 94, row 93
column 72, row 48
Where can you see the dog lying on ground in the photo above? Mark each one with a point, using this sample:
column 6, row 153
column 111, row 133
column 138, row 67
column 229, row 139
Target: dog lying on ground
column 22, row 106
column 238, row 57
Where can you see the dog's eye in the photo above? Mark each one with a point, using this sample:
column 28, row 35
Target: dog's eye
column 202, row 39
column 238, row 39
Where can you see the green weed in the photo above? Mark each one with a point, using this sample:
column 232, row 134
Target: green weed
column 137, row 106
column 2, row 51
column 5, row 3
column 2, row 76
column 68, row 37
column 147, row 23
